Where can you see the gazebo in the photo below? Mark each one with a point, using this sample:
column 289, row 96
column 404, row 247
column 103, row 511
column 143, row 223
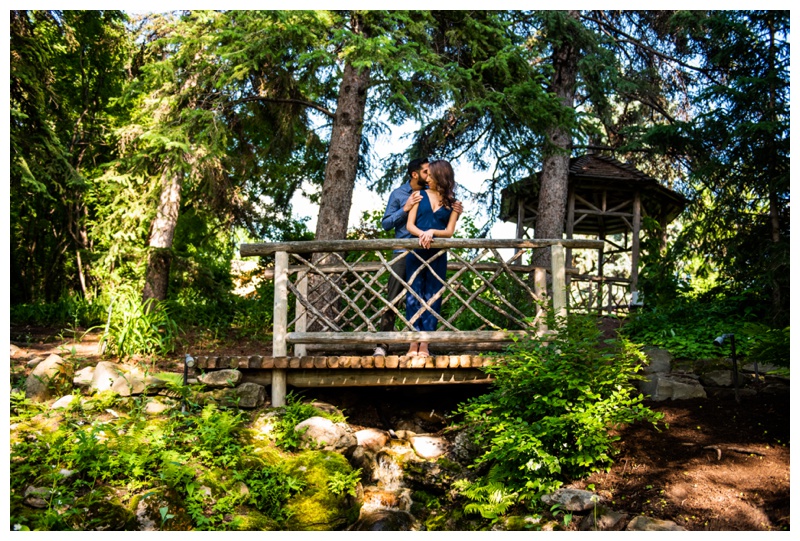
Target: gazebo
column 607, row 200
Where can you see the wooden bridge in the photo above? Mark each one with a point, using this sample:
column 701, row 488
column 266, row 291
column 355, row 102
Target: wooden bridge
column 330, row 297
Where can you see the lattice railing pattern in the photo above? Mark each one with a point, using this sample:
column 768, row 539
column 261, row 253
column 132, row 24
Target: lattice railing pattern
column 482, row 291
column 600, row 296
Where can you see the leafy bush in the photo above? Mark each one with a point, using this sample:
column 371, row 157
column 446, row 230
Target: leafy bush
column 71, row 309
column 551, row 413
column 687, row 328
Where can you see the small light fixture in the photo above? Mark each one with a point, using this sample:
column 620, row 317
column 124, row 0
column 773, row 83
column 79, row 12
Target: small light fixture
column 188, row 362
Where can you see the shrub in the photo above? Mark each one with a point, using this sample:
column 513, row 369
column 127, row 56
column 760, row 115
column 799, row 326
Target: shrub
column 550, row 414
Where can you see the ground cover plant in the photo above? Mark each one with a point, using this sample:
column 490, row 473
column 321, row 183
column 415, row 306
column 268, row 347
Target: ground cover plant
column 93, row 465
column 550, row 415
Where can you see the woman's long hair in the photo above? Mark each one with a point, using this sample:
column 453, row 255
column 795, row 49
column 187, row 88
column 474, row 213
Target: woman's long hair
column 445, row 179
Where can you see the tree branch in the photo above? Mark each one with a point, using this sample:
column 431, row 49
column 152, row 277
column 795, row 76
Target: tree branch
column 312, row 105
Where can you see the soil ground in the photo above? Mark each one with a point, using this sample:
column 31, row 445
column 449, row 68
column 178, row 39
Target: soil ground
column 713, row 464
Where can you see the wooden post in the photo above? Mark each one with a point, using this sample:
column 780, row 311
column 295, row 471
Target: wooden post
column 300, row 310
column 557, row 260
column 280, row 316
column 520, row 227
column 637, row 223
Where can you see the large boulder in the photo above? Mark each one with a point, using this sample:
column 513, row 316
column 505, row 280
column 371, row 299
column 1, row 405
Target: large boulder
column 221, row 378
column 251, row 395
column 659, row 361
column 47, row 378
column 322, row 433
column 105, row 374
column 571, row 499
column 661, row 387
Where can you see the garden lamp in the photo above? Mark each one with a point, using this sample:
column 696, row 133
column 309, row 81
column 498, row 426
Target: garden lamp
column 188, row 362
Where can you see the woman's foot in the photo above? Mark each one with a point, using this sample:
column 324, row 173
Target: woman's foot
column 422, row 351
column 413, row 349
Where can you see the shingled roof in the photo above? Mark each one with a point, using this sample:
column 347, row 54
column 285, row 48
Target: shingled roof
column 590, row 175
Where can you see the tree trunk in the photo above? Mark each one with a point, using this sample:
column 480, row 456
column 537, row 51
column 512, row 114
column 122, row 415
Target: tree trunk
column 162, row 233
column 340, row 175
column 555, row 165
column 340, row 171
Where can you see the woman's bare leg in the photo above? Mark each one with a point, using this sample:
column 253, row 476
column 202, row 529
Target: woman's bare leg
column 422, row 351
column 413, row 348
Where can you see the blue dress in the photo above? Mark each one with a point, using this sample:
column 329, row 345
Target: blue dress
column 426, row 284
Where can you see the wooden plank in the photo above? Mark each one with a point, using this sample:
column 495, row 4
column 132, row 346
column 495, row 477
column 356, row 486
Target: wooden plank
column 281, row 362
column 441, row 361
column 294, row 362
column 401, row 337
column 367, row 362
column 242, row 362
column 376, row 378
column 306, row 362
column 380, row 361
column 369, row 245
column 320, row 362
column 254, row 361
column 333, row 362
column 268, row 362
column 392, row 361
column 261, row 377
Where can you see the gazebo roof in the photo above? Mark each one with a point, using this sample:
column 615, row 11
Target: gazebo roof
column 591, row 175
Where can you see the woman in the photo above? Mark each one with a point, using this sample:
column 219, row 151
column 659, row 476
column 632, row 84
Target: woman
column 432, row 217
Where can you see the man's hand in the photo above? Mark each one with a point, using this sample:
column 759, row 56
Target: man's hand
column 425, row 238
column 412, row 200
column 458, row 208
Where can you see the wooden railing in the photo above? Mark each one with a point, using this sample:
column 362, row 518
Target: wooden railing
column 333, row 293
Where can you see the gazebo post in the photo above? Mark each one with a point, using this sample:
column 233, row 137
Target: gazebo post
column 637, row 223
column 570, row 224
column 279, row 326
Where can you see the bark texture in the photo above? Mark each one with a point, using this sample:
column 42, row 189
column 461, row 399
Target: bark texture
column 555, row 166
column 162, row 233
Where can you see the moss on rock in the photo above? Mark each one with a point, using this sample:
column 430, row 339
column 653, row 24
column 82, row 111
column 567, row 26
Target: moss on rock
column 316, row 507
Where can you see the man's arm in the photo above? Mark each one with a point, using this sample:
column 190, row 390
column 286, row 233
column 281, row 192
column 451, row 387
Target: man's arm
column 394, row 214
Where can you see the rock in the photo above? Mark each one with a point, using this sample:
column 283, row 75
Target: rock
column 603, row 519
column 17, row 353
column 717, row 378
column 221, row 378
column 429, row 447
column 37, row 496
column 372, row 438
column 571, row 499
column 763, row 368
column 63, row 402
column 463, row 449
column 128, row 384
column 645, row 524
column 265, row 423
column 659, row 361
column 364, row 459
column 47, row 375
column 408, row 425
column 385, row 520
column 34, row 362
column 670, row 386
column 321, row 433
column 83, row 377
column 251, row 395
column 328, row 409
column 154, row 407
column 105, row 374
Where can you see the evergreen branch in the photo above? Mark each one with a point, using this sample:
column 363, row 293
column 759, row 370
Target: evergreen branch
column 310, row 104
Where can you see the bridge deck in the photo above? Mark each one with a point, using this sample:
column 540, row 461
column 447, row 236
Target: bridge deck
column 343, row 371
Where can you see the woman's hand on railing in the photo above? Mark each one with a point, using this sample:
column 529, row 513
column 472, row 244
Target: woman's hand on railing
column 425, row 238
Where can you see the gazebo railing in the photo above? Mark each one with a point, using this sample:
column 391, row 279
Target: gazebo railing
column 335, row 292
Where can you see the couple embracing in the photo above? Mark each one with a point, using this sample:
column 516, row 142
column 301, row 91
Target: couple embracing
column 424, row 207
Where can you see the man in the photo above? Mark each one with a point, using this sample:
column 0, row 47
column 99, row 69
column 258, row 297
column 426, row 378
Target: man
column 401, row 201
